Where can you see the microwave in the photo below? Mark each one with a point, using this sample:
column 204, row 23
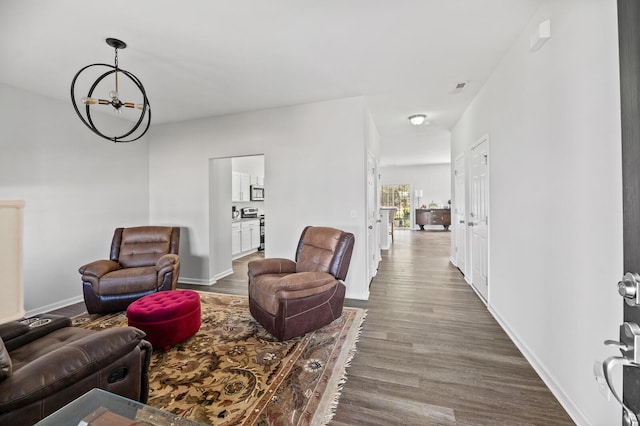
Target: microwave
column 257, row 193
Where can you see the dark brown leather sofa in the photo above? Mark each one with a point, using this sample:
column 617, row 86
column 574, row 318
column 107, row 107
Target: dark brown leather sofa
column 143, row 260
column 291, row 298
column 44, row 368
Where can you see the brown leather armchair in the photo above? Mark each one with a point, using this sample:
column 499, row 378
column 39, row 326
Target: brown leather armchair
column 291, row 298
column 46, row 367
column 143, row 260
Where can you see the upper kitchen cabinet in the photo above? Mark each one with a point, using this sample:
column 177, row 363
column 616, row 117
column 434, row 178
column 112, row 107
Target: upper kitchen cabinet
column 257, row 180
column 246, row 172
column 240, row 187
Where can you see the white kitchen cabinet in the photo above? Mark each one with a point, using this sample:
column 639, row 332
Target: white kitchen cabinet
column 250, row 234
column 240, row 187
column 236, row 239
column 257, row 180
column 245, row 236
column 255, row 236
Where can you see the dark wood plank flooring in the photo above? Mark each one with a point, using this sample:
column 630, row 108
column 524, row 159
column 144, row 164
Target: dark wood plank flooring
column 430, row 353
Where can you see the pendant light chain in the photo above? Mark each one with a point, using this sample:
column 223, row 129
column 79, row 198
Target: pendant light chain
column 116, row 64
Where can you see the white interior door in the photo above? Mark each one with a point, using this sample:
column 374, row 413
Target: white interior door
column 459, row 226
column 478, row 219
column 373, row 218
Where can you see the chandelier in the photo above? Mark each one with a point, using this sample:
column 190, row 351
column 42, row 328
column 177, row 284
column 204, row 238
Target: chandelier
column 141, row 122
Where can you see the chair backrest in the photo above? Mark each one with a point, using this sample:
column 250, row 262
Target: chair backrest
column 323, row 249
column 143, row 245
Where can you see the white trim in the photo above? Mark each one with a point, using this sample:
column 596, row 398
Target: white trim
column 54, row 306
column 196, row 281
column 563, row 397
column 221, row 275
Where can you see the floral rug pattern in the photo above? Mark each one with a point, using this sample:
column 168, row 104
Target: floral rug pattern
column 232, row 372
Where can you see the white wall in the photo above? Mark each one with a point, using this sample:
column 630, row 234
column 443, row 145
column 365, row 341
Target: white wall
column 553, row 122
column 220, row 262
column 433, row 179
column 315, row 157
column 77, row 188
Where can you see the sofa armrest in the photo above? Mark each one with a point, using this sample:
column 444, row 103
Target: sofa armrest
column 16, row 334
column 5, row 362
column 167, row 263
column 12, row 329
column 272, row 265
column 98, row 268
column 69, row 363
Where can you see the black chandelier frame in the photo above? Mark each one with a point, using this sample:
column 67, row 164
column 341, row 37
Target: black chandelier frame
column 88, row 121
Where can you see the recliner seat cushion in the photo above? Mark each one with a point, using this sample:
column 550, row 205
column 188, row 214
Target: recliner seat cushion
column 130, row 280
column 268, row 290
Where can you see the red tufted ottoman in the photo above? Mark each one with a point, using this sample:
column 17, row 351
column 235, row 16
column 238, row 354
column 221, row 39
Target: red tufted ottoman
column 168, row 317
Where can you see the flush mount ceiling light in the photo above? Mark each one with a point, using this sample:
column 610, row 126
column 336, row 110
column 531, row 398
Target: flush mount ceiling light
column 417, row 119
column 130, row 134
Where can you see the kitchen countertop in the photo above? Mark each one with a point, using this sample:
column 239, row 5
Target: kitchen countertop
column 243, row 219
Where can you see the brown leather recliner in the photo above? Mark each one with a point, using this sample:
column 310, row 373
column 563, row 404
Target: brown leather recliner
column 143, row 260
column 44, row 368
column 292, row 298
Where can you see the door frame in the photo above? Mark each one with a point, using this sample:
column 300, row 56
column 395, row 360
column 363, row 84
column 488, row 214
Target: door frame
column 459, row 248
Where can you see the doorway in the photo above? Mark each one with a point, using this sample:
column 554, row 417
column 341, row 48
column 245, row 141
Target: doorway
column 230, row 183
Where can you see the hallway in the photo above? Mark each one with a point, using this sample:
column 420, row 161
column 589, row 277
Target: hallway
column 431, row 354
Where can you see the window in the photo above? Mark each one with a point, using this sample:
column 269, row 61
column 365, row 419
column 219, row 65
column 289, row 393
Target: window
column 398, row 196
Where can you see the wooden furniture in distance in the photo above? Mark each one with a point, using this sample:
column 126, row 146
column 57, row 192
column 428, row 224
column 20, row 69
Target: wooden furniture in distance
column 433, row 217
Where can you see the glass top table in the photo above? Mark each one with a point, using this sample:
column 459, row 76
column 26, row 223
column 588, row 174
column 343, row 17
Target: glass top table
column 101, row 408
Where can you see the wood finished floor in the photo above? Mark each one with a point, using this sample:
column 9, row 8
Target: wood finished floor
column 430, row 353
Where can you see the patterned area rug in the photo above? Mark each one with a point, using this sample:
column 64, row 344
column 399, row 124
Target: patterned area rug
column 232, row 372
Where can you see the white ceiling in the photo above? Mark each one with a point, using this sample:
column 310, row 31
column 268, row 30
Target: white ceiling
column 199, row 58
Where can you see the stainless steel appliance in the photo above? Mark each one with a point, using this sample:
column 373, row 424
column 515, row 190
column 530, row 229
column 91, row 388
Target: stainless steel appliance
column 249, row 212
column 257, row 193
column 261, row 233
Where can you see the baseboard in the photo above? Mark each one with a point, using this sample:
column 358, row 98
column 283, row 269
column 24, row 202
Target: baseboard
column 567, row 403
column 196, row 281
column 53, row 306
column 221, row 275
column 201, row 281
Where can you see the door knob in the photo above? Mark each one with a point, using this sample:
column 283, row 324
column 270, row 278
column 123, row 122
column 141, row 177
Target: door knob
column 370, row 227
column 628, row 288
